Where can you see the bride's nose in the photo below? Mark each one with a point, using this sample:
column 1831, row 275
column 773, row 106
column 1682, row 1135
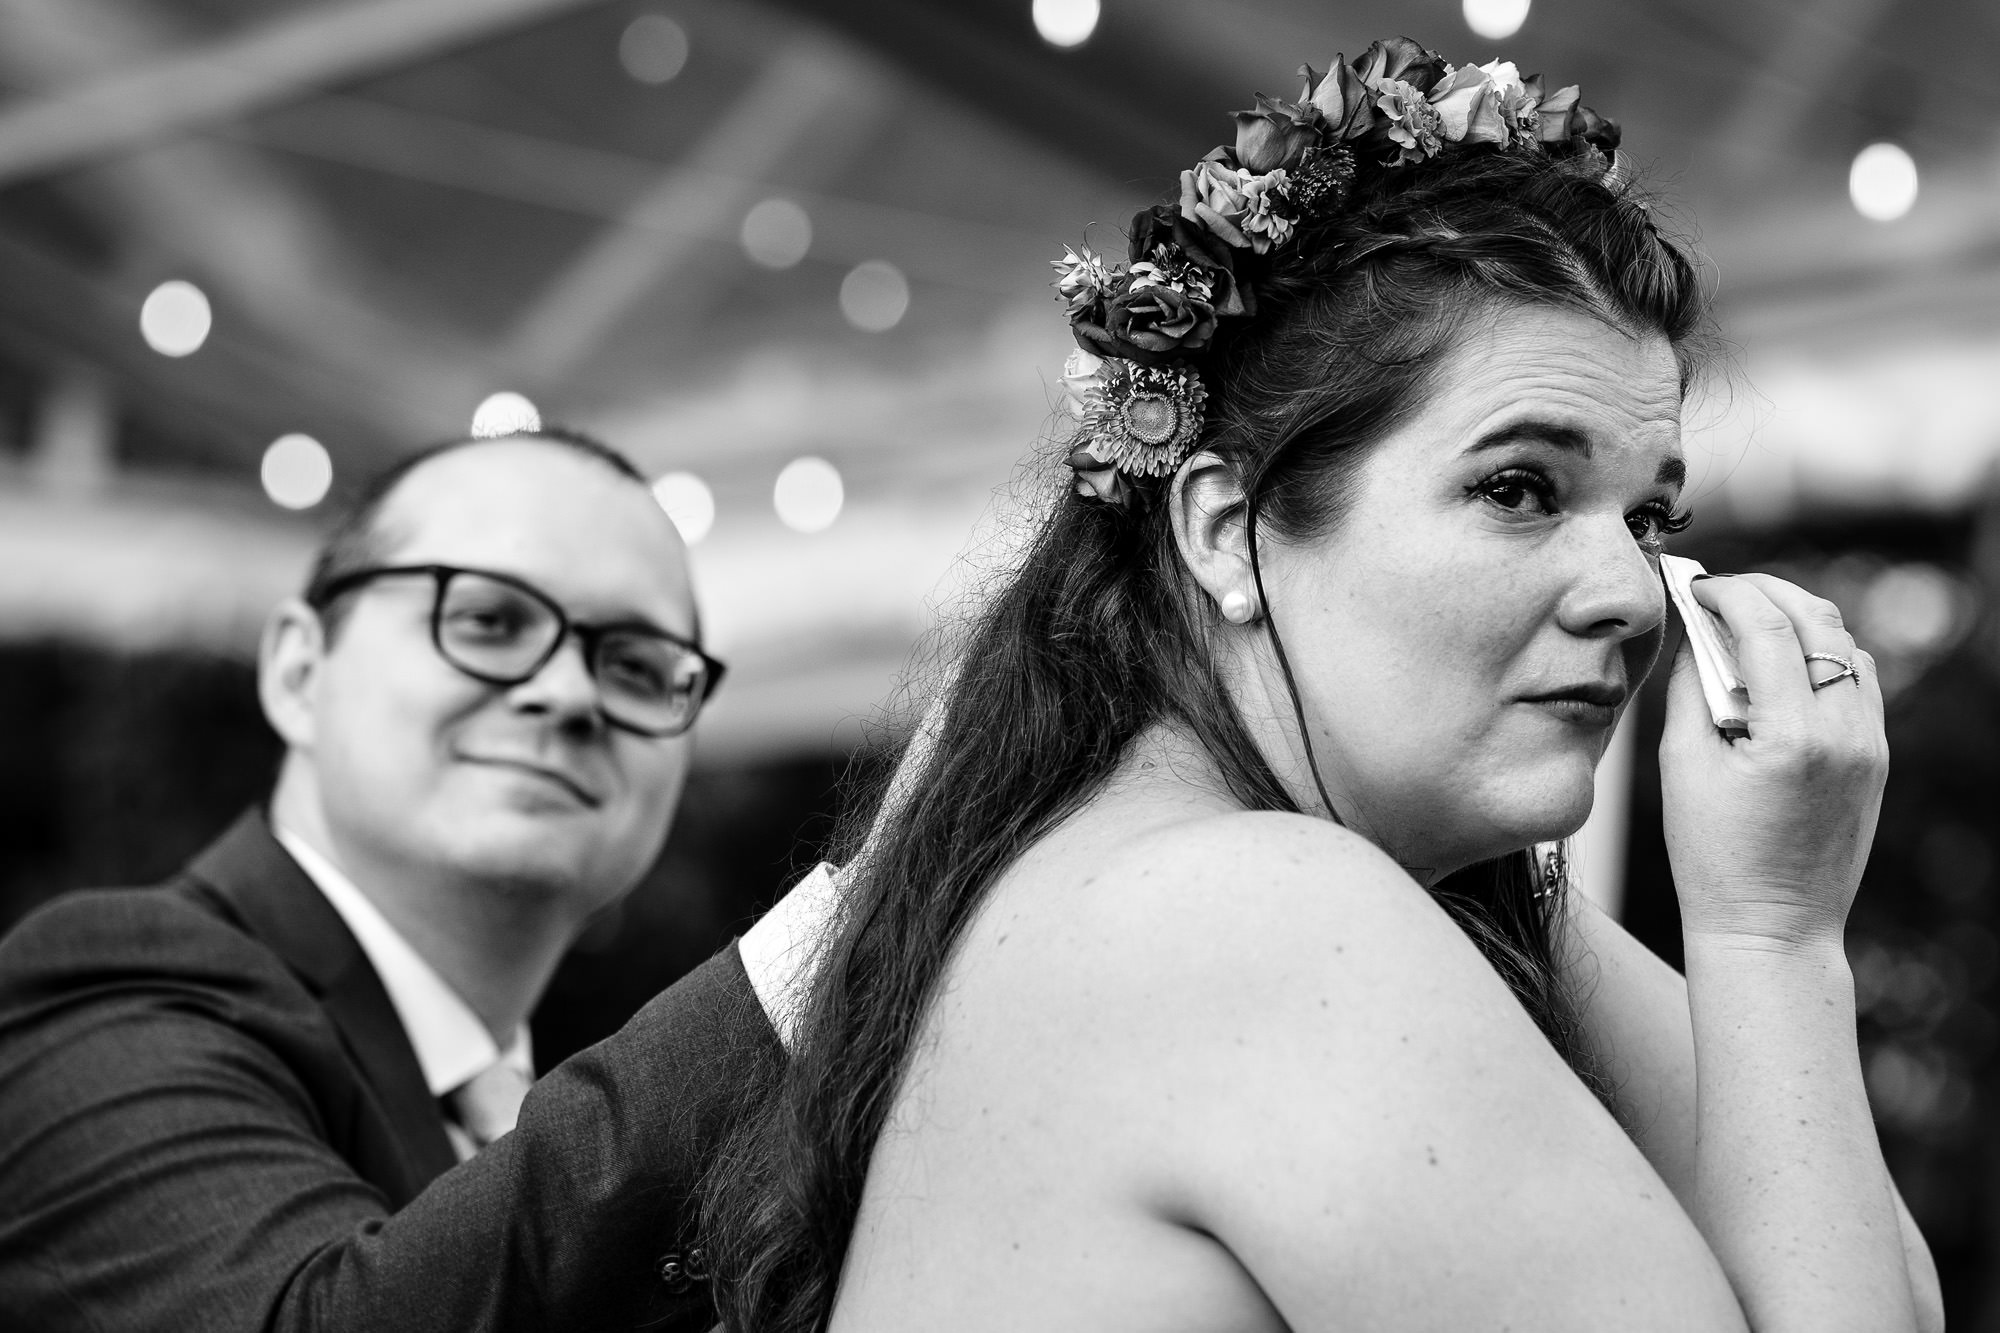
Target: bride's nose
column 1613, row 587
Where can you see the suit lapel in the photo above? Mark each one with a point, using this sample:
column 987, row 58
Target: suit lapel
column 283, row 907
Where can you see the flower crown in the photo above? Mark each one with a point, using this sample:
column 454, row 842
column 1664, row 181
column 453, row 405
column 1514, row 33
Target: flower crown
column 1133, row 384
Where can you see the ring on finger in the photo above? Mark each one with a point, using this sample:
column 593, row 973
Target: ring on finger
column 1848, row 671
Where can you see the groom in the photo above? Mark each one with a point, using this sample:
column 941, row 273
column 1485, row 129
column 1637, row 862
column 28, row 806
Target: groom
column 277, row 1092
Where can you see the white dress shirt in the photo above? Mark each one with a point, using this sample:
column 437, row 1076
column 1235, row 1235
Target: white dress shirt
column 451, row 1044
column 781, row 949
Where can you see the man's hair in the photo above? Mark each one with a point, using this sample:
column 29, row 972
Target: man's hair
column 358, row 541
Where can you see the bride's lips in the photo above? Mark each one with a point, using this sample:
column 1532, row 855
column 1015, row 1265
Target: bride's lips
column 568, row 782
column 1588, row 704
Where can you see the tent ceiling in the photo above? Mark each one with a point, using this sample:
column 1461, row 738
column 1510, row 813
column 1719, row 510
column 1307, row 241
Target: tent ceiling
column 400, row 206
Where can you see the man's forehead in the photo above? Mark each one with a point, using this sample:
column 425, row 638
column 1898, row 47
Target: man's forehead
column 544, row 512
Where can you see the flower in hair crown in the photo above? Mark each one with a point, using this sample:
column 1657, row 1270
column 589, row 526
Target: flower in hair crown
column 1134, row 386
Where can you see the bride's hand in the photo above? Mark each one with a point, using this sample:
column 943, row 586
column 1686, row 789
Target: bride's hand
column 1768, row 835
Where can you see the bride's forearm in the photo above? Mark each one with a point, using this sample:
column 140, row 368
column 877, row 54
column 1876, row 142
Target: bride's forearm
column 1790, row 1186
column 1635, row 1012
column 1634, row 1009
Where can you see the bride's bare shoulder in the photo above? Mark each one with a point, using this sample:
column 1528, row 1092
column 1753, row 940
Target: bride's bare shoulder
column 1242, row 900
column 1262, row 1028
column 1249, row 876
column 1286, row 853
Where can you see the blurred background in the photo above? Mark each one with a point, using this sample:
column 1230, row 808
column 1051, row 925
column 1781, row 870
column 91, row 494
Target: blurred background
column 791, row 255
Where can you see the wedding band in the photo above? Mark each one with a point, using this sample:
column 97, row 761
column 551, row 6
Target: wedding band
column 1847, row 670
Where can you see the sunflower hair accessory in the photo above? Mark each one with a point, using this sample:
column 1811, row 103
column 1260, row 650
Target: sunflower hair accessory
column 1134, row 384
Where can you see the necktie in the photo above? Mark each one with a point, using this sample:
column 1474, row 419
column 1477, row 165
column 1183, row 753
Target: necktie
column 486, row 1105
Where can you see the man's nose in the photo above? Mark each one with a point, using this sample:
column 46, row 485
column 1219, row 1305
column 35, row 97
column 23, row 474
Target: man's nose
column 563, row 689
column 1616, row 590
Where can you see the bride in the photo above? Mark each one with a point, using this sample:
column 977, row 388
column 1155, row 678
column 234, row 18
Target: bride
column 1202, row 979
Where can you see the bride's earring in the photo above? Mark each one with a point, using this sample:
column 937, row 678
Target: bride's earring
column 1238, row 607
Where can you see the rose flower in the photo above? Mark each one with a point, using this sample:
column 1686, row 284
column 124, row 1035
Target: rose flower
column 1234, row 204
column 1275, row 135
column 1468, row 107
column 1149, row 325
column 1163, row 225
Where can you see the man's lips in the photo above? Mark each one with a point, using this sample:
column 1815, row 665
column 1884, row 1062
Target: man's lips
column 568, row 782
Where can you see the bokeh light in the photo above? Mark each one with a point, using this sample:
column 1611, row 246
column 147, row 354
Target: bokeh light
column 1496, row 20
column 1911, row 608
column 1066, row 22
column 297, row 471
column 1882, row 182
column 776, row 233
column 504, row 413
column 808, row 495
column 688, row 502
column 175, row 318
column 874, row 296
column 653, row 48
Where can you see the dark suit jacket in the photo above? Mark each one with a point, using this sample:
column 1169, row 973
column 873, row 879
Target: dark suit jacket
column 211, row 1119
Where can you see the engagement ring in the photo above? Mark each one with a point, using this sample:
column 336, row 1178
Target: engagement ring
column 1847, row 671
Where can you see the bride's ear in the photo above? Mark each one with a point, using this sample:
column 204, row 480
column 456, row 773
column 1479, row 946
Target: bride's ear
column 1207, row 509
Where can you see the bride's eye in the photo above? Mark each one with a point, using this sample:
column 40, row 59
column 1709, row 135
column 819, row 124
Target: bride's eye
column 1652, row 524
column 1518, row 490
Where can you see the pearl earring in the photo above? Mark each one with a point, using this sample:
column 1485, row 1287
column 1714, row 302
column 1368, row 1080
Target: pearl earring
column 1238, row 607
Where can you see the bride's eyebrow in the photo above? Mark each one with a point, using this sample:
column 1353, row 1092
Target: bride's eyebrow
column 1553, row 434
column 1673, row 470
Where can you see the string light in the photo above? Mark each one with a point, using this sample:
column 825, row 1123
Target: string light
column 653, row 48
column 297, row 471
column 175, row 318
column 504, row 413
column 1882, row 182
column 776, row 233
column 1066, row 23
column 1496, row 20
column 688, row 502
column 808, row 495
column 874, row 296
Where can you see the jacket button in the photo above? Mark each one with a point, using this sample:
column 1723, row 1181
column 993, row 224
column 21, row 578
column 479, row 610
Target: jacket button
column 673, row 1271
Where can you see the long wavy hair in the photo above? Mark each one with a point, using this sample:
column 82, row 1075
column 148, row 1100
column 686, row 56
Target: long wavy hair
column 1099, row 635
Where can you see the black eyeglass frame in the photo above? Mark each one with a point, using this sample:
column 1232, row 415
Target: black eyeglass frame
column 588, row 636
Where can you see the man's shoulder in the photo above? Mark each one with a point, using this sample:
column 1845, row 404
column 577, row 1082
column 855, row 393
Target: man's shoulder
column 178, row 932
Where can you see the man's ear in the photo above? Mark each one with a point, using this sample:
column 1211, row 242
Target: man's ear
column 289, row 657
column 1208, row 511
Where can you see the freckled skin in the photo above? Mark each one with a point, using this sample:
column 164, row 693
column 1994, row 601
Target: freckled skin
column 1176, row 1100
column 1417, row 624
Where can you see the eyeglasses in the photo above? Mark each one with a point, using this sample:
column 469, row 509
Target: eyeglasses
column 503, row 631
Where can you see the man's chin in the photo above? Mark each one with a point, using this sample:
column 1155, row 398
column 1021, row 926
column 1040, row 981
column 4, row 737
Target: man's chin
column 524, row 846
